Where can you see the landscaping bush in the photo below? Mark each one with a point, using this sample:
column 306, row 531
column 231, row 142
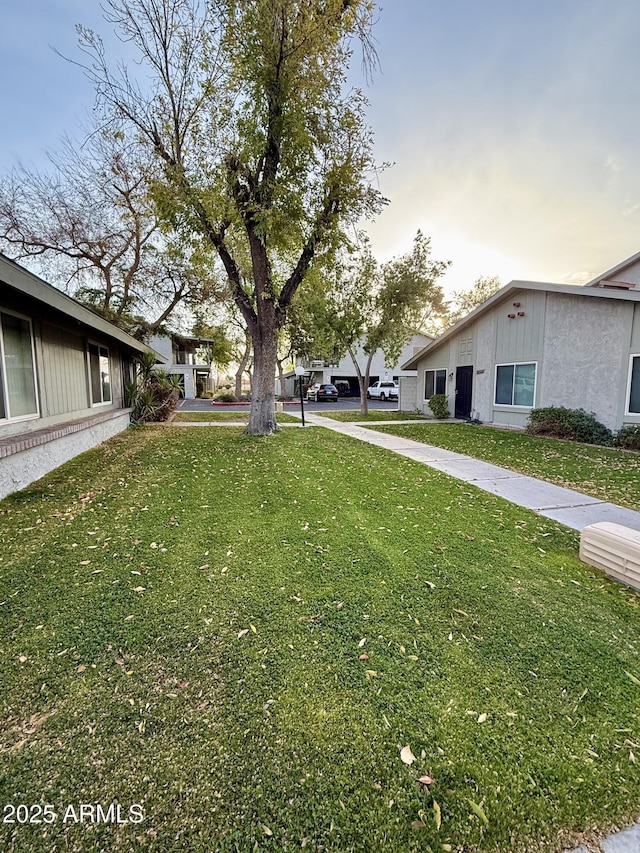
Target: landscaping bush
column 572, row 424
column 438, row 405
column 224, row 397
column 628, row 438
column 153, row 394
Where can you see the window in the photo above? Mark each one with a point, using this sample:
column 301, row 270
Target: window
column 18, row 396
column 435, row 382
column 99, row 374
column 633, row 394
column 515, row 384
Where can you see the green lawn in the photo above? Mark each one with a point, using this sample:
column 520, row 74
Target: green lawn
column 606, row 473
column 184, row 619
column 375, row 415
column 239, row 417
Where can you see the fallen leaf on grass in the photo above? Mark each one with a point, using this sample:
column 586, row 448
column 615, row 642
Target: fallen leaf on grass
column 479, row 812
column 362, row 642
column 243, row 633
column 632, row 677
column 407, row 756
column 437, row 815
column 81, row 668
column 371, row 673
column 482, row 718
column 417, row 824
column 364, row 657
column 266, row 829
column 425, row 780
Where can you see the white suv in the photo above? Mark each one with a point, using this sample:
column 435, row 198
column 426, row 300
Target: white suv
column 383, row 390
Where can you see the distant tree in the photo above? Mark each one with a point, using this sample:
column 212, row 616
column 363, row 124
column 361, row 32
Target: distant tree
column 464, row 301
column 264, row 153
column 376, row 307
column 90, row 226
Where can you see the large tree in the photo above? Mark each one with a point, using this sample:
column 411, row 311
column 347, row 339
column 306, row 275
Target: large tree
column 372, row 306
column 464, row 301
column 88, row 223
column 264, row 153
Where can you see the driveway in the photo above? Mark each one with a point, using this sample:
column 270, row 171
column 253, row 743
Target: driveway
column 343, row 404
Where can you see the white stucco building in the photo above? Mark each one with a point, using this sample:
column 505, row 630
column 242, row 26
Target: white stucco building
column 534, row 345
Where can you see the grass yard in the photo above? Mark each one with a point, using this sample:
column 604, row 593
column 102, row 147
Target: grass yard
column 603, row 472
column 240, row 636
column 238, row 417
column 375, row 415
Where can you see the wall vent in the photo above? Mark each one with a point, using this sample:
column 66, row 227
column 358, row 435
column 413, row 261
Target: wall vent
column 614, row 549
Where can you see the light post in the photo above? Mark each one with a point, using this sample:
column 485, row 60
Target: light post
column 300, row 371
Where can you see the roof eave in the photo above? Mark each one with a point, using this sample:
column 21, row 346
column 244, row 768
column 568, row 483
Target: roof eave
column 24, row 281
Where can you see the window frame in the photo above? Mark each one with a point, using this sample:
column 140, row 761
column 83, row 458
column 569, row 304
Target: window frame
column 627, row 401
column 515, row 364
column 4, row 387
column 101, row 402
column 435, row 371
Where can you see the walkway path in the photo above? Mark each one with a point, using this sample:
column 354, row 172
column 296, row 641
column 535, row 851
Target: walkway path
column 570, row 508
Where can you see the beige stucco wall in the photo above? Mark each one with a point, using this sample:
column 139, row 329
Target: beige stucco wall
column 580, row 344
column 586, row 356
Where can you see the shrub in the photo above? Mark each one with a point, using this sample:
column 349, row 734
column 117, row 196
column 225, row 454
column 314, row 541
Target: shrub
column 438, row 405
column 153, row 394
column 572, row 424
column 628, row 438
column 224, row 397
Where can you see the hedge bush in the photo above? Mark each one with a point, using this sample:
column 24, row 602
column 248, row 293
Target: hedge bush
column 628, row 438
column 225, row 397
column 438, row 405
column 573, row 424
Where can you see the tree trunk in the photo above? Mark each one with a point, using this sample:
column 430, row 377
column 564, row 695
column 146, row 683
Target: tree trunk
column 363, row 381
column 242, row 366
column 262, row 419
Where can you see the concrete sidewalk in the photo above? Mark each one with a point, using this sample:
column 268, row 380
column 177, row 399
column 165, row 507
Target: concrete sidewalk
column 570, row 508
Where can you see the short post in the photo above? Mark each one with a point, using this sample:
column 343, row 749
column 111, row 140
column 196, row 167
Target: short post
column 300, row 371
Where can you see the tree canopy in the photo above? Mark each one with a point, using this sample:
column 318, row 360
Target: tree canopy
column 378, row 307
column 257, row 146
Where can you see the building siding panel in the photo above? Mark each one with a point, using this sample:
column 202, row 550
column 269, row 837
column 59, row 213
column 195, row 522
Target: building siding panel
column 64, row 375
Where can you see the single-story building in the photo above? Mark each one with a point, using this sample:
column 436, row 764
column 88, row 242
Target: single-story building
column 343, row 372
column 533, row 345
column 62, row 376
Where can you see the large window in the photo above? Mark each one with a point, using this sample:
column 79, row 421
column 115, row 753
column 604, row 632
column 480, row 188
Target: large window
column 633, row 398
column 18, row 396
column 435, row 382
column 100, row 374
column 515, row 384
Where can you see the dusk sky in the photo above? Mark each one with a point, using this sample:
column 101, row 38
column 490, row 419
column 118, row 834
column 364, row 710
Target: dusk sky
column 513, row 126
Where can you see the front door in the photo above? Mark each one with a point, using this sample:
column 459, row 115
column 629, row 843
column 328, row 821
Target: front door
column 464, row 386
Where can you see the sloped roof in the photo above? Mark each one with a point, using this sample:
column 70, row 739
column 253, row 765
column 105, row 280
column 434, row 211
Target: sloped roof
column 612, row 274
column 512, row 287
column 17, row 277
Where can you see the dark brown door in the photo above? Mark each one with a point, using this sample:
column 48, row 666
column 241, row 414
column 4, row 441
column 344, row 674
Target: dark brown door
column 464, row 387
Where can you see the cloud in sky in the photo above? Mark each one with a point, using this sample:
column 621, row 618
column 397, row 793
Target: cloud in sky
column 513, row 126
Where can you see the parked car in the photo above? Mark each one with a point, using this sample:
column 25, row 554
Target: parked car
column 344, row 389
column 322, row 391
column 383, row 390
